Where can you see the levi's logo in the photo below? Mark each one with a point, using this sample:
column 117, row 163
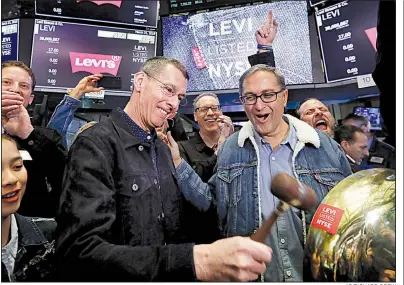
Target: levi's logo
column 117, row 3
column 95, row 63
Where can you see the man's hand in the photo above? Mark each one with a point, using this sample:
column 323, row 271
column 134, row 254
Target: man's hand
column 231, row 259
column 10, row 101
column 175, row 151
column 226, row 130
column 85, row 85
column 266, row 34
column 17, row 123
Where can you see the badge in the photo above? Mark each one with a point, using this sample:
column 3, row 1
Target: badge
column 376, row 159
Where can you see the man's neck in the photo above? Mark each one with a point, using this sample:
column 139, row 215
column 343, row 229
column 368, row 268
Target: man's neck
column 278, row 135
column 134, row 111
column 5, row 230
column 210, row 138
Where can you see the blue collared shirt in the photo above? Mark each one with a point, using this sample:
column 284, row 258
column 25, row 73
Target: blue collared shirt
column 286, row 237
column 146, row 139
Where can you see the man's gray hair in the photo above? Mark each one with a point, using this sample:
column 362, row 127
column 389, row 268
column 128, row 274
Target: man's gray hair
column 155, row 65
column 196, row 100
column 262, row 67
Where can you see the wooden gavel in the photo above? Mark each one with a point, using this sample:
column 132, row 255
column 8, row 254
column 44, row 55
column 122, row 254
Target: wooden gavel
column 291, row 192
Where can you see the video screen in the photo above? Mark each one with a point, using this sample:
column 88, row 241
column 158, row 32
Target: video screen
column 214, row 46
column 9, row 40
column 63, row 53
column 348, row 38
column 372, row 114
column 130, row 12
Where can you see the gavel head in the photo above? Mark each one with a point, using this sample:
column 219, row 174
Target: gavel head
column 293, row 192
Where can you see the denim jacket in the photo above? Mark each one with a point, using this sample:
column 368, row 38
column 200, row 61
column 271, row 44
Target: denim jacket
column 234, row 188
column 34, row 260
column 63, row 116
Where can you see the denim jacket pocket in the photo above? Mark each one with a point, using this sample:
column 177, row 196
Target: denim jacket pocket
column 327, row 180
column 230, row 183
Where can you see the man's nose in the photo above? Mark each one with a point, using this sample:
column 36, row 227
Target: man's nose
column 209, row 112
column 366, row 152
column 173, row 102
column 14, row 87
column 259, row 105
column 317, row 112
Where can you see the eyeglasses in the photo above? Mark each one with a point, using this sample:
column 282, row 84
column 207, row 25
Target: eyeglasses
column 170, row 91
column 204, row 110
column 267, row 97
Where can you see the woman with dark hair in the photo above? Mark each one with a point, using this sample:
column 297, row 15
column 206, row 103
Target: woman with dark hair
column 27, row 244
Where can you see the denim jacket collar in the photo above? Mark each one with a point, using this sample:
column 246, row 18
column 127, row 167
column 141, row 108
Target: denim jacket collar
column 29, row 233
column 304, row 132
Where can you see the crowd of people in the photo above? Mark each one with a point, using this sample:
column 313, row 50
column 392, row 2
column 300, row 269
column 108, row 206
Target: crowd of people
column 135, row 200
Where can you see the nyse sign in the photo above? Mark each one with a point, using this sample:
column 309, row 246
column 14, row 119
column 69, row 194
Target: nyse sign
column 9, row 40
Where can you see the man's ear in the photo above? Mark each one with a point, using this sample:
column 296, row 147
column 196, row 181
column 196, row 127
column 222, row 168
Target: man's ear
column 138, row 80
column 285, row 97
column 344, row 145
column 195, row 117
column 31, row 98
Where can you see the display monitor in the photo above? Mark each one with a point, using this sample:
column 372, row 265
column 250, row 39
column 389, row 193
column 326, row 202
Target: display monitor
column 348, row 34
column 63, row 53
column 372, row 114
column 128, row 12
column 214, row 46
column 9, row 39
column 180, row 6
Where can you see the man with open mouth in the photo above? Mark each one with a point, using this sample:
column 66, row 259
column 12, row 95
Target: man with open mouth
column 317, row 115
column 270, row 143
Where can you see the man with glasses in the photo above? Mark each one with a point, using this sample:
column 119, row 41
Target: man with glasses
column 270, row 143
column 121, row 208
column 200, row 152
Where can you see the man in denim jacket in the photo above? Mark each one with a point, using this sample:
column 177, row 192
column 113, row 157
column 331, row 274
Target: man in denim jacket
column 268, row 144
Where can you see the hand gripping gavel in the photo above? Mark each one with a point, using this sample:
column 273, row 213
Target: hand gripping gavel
column 291, row 192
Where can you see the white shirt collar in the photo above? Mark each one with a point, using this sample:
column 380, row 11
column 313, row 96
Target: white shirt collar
column 9, row 251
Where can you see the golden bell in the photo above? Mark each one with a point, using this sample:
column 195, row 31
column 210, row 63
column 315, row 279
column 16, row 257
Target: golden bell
column 352, row 236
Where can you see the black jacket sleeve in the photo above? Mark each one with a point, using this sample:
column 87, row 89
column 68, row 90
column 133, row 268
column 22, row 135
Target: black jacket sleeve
column 45, row 172
column 178, row 131
column 85, row 244
column 262, row 58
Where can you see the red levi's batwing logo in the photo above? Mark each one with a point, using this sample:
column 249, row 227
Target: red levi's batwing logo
column 372, row 35
column 95, row 63
column 117, row 3
column 327, row 218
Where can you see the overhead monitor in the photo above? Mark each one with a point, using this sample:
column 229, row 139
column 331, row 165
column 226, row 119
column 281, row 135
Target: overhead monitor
column 128, row 12
column 214, row 46
column 180, row 6
column 348, row 35
column 9, row 39
column 63, row 53
column 372, row 114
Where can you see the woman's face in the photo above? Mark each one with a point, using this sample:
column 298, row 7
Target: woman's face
column 13, row 178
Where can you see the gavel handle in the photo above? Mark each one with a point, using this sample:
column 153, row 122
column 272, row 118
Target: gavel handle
column 265, row 228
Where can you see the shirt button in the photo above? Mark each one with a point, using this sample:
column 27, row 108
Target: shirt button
column 273, row 158
column 283, row 240
column 31, row 142
column 135, row 187
column 148, row 137
column 140, row 148
column 155, row 181
column 289, row 273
